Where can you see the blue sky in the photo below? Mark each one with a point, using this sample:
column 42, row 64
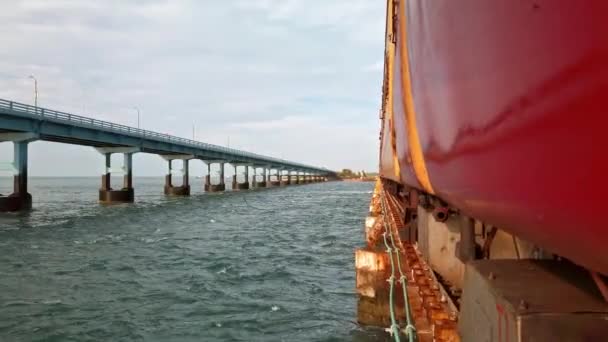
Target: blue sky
column 298, row 79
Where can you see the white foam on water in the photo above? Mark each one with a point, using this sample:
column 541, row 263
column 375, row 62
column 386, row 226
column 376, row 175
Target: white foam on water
column 274, row 308
column 17, row 302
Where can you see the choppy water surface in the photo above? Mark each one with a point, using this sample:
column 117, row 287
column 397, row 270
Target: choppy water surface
column 266, row 265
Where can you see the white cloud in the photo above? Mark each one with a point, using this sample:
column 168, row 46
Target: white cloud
column 375, row 67
column 216, row 64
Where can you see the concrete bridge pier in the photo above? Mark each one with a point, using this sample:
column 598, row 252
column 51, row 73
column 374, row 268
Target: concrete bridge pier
column 236, row 186
column 264, row 182
column 254, row 180
column 269, row 178
column 297, row 178
column 234, row 182
column 245, row 185
column 209, row 187
column 277, row 181
column 126, row 194
column 207, row 178
column 282, row 180
column 184, row 189
column 20, row 199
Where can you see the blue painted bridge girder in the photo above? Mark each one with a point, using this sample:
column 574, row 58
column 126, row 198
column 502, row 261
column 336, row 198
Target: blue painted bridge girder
column 51, row 125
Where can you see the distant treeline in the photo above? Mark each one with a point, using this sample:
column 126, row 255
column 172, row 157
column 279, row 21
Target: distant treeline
column 349, row 174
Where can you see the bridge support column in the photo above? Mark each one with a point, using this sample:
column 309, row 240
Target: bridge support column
column 184, row 189
column 20, row 199
column 254, row 181
column 126, row 194
column 269, row 177
column 296, row 179
column 277, row 181
column 245, row 186
column 264, row 182
column 282, row 181
column 208, row 177
column 236, row 186
column 128, row 167
column 216, row 187
column 234, row 182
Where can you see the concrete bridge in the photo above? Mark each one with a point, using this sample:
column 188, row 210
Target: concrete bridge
column 22, row 124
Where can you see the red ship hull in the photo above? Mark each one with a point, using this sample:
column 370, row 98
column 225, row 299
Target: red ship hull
column 509, row 102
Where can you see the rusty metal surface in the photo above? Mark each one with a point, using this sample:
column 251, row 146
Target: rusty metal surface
column 15, row 202
column 183, row 190
column 434, row 315
column 116, row 196
column 216, row 187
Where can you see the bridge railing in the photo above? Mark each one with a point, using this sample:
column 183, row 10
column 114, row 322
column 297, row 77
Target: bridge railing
column 46, row 114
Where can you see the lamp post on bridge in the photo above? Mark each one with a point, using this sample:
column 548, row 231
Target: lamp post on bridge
column 35, row 90
column 138, row 116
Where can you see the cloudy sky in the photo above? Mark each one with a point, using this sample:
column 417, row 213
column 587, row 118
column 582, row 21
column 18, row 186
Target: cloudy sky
column 298, row 79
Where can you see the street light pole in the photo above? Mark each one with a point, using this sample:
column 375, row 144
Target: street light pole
column 138, row 116
column 35, row 90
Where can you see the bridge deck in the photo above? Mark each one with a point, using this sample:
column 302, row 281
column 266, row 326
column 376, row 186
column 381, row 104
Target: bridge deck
column 52, row 125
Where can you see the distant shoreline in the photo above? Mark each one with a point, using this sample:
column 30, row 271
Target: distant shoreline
column 369, row 179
